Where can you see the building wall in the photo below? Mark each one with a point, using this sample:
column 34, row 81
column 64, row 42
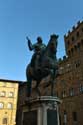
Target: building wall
column 8, row 102
column 69, row 85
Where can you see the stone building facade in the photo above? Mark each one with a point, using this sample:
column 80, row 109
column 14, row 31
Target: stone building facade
column 8, row 101
column 69, row 86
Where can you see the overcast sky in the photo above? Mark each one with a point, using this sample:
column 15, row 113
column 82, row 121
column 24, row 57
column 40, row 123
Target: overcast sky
column 32, row 18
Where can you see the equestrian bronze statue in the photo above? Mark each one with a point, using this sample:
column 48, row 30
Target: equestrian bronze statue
column 43, row 62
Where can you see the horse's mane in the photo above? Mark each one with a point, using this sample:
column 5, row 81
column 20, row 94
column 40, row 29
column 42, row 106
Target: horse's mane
column 53, row 38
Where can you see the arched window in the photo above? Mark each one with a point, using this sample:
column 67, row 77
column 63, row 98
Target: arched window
column 9, row 106
column 5, row 121
column 65, row 118
column 63, row 94
column 1, row 105
column 78, row 46
column 11, row 94
column 77, row 34
column 71, row 92
column 75, row 47
column 2, row 94
column 68, row 43
column 73, row 38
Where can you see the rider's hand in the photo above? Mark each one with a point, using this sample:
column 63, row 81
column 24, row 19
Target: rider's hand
column 27, row 38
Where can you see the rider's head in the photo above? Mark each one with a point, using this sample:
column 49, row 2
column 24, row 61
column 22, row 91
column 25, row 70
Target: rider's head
column 39, row 40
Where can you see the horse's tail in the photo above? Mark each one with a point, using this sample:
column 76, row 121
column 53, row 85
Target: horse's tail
column 27, row 71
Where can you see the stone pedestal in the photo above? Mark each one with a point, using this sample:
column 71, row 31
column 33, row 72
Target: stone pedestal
column 41, row 111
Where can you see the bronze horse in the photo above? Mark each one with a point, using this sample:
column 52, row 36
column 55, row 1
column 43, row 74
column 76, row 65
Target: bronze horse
column 47, row 65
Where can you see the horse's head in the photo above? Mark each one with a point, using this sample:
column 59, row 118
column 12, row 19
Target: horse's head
column 53, row 43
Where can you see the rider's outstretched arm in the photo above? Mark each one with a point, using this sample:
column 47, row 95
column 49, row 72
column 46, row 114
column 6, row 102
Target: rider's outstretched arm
column 29, row 44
